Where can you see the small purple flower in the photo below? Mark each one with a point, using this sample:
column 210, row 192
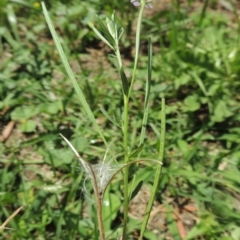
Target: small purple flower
column 137, row 3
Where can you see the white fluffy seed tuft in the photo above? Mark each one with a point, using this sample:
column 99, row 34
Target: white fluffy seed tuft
column 100, row 174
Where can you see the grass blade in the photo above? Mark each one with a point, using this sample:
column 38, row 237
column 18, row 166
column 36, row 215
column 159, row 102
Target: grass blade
column 146, row 109
column 112, row 120
column 158, row 171
column 71, row 75
column 147, row 93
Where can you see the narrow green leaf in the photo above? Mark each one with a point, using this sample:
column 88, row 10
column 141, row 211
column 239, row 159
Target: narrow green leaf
column 200, row 83
column 111, row 27
column 113, row 16
column 120, row 32
column 9, row 38
column 12, row 19
column 25, row 3
column 158, row 171
column 105, row 31
column 109, row 118
column 112, row 56
column 146, row 101
column 125, row 84
column 136, row 190
column 71, row 75
column 100, row 35
column 147, row 93
column 137, row 151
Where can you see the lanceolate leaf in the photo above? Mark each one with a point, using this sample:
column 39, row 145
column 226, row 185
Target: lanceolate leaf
column 71, row 75
column 137, row 151
column 100, row 36
column 104, row 31
column 109, row 118
column 136, row 190
column 120, row 32
column 158, row 171
column 147, row 92
column 125, row 84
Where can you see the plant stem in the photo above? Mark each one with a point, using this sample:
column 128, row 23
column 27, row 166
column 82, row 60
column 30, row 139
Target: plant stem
column 98, row 205
column 126, row 172
column 118, row 55
column 125, row 124
column 99, row 216
column 125, row 145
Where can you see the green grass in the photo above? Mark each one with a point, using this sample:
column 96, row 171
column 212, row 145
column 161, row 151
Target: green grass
column 196, row 68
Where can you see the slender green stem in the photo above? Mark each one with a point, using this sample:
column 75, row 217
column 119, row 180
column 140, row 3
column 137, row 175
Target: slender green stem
column 118, row 55
column 125, row 145
column 163, row 130
column 125, row 128
column 125, row 123
column 99, row 216
column 126, row 172
column 98, row 200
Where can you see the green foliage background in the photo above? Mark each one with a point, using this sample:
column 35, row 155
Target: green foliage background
column 196, row 67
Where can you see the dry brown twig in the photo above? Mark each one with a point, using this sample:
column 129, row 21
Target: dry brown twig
column 10, row 218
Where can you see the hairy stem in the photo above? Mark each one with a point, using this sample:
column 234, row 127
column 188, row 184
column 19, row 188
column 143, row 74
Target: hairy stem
column 98, row 200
